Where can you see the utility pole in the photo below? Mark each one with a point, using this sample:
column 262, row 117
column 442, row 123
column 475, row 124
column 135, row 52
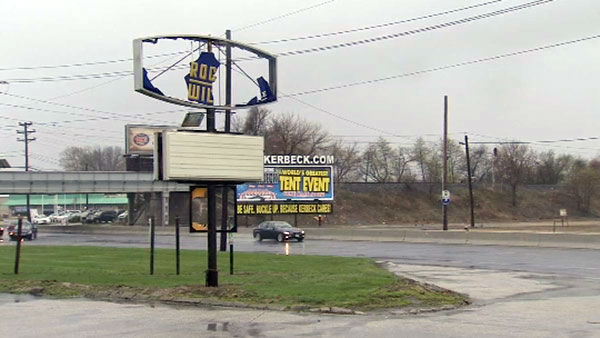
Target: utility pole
column 445, row 165
column 470, row 182
column 367, row 171
column 26, row 139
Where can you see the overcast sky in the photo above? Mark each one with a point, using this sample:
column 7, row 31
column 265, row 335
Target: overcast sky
column 550, row 94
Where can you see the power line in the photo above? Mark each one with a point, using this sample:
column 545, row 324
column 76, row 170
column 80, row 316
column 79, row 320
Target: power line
column 95, row 63
column 416, row 31
column 361, row 29
column 400, row 136
column 104, row 62
column 296, row 52
column 544, row 143
column 339, row 116
column 110, row 114
column 83, row 64
column 282, row 16
column 455, row 65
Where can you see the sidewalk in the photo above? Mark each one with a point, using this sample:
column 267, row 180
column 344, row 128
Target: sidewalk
column 584, row 234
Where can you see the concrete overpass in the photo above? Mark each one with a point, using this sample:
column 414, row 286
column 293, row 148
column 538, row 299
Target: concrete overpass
column 62, row 182
column 108, row 182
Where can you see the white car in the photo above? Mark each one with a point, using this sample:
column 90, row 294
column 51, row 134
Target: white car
column 41, row 219
column 62, row 217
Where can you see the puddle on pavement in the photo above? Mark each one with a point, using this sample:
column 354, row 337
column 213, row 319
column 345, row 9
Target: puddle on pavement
column 215, row 327
column 6, row 298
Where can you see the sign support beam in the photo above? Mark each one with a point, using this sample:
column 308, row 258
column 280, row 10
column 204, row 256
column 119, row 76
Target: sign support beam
column 212, row 274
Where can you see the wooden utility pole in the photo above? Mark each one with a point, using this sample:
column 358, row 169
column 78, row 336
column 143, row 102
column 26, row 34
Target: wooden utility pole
column 26, row 139
column 470, row 182
column 445, row 165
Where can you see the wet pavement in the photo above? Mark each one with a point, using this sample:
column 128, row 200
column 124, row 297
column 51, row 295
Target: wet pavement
column 517, row 292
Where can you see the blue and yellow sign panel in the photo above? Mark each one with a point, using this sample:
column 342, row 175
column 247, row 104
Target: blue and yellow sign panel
column 290, row 183
column 203, row 73
column 285, row 208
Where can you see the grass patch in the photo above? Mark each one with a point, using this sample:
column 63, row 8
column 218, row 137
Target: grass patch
column 260, row 278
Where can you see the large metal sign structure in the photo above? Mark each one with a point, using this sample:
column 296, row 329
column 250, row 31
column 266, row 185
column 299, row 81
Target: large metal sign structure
column 212, row 161
column 202, row 72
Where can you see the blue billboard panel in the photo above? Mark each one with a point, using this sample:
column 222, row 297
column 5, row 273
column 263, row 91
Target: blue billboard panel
column 294, row 183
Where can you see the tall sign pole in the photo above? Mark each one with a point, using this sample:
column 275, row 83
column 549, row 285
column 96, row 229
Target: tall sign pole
column 225, row 191
column 212, row 274
column 445, row 166
column 26, row 139
column 228, row 82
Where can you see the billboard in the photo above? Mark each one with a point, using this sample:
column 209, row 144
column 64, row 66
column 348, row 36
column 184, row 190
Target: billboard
column 284, row 208
column 290, row 183
column 139, row 138
column 201, row 156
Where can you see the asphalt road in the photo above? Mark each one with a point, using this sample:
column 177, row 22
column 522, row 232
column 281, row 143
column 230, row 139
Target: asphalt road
column 517, row 291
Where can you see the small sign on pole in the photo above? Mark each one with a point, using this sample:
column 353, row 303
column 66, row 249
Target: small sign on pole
column 445, row 197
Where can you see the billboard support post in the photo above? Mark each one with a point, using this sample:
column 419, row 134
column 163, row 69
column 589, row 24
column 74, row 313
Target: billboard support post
column 231, row 253
column 224, row 217
column 177, row 245
column 151, row 223
column 212, row 274
column 18, row 253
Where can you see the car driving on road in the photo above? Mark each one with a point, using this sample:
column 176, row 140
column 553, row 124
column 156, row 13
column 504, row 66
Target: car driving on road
column 278, row 230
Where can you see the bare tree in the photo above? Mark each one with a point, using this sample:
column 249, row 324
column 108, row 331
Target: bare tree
column 380, row 158
column 514, row 164
column 456, row 161
column 400, row 165
column 481, row 164
column 92, row 158
column 583, row 183
column 551, row 169
column 255, row 123
column 290, row 134
column 420, row 154
column 346, row 160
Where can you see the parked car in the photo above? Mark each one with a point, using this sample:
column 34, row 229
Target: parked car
column 28, row 230
column 278, row 230
column 123, row 216
column 86, row 216
column 74, row 217
column 1, row 232
column 61, row 217
column 41, row 219
column 105, row 216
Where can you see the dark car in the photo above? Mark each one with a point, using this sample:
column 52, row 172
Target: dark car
column 278, row 230
column 105, row 216
column 1, row 232
column 28, row 230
